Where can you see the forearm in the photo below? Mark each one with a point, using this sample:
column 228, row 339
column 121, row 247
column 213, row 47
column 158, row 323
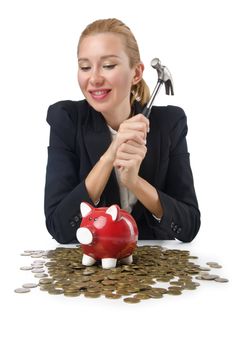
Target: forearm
column 148, row 196
column 98, row 177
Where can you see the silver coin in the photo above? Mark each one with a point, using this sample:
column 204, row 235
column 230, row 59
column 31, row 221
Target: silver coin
column 22, row 290
column 36, row 256
column 26, row 268
column 40, row 275
column 221, row 280
column 30, row 285
column 37, row 270
column 39, row 261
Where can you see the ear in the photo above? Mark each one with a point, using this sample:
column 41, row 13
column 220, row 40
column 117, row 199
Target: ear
column 113, row 211
column 85, row 208
column 138, row 73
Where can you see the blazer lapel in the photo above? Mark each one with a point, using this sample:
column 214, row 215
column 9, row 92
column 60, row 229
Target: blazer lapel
column 97, row 139
column 150, row 164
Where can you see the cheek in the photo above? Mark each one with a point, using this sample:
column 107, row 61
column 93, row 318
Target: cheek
column 81, row 79
column 123, row 80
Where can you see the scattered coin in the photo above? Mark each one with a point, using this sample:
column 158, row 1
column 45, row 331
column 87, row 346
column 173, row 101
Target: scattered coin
column 26, row 268
column 214, row 265
column 22, row 290
column 132, row 300
column 209, row 277
column 221, row 280
column 55, row 291
column 30, row 285
column 155, row 272
column 37, row 270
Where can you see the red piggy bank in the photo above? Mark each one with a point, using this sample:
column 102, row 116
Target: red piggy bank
column 108, row 234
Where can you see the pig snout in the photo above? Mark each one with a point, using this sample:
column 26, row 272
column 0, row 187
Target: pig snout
column 84, row 235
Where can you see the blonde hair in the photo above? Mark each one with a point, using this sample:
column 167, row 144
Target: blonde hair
column 139, row 91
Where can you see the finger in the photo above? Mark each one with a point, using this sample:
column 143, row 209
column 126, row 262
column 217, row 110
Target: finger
column 135, row 136
column 133, row 163
column 137, row 154
column 131, row 149
column 138, row 118
column 135, row 144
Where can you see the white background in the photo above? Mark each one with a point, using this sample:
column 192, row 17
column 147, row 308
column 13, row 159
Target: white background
column 38, row 67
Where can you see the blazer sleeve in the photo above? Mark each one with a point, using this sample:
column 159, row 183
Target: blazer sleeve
column 63, row 189
column 181, row 218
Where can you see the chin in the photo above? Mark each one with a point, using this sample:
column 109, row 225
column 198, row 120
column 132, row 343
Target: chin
column 100, row 107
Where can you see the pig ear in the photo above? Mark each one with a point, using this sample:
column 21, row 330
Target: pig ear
column 113, row 211
column 86, row 208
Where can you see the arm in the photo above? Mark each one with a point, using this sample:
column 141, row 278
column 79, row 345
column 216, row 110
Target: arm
column 64, row 189
column 148, row 196
column 175, row 203
column 132, row 130
column 181, row 216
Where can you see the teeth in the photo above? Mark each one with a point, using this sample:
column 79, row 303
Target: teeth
column 98, row 93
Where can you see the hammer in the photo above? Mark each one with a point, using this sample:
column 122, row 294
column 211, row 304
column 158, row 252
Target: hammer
column 164, row 76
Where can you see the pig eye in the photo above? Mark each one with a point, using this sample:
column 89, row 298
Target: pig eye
column 95, row 219
column 90, row 219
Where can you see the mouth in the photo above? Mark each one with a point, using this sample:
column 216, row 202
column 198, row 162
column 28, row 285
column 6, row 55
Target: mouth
column 99, row 94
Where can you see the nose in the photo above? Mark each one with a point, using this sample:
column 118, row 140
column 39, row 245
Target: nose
column 84, row 235
column 96, row 79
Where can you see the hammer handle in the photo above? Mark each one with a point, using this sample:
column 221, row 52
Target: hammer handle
column 147, row 109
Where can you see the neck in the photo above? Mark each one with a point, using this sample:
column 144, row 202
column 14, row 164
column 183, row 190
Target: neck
column 116, row 118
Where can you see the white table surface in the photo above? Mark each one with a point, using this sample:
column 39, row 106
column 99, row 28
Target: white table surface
column 195, row 319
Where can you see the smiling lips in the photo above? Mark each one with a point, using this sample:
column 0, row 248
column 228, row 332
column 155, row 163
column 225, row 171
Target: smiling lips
column 99, row 94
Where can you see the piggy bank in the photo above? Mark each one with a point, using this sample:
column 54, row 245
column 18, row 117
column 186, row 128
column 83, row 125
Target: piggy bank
column 107, row 234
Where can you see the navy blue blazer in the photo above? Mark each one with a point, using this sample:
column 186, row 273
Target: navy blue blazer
column 79, row 136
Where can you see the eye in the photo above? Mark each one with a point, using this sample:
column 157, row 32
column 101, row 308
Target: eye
column 109, row 66
column 95, row 219
column 90, row 218
column 84, row 69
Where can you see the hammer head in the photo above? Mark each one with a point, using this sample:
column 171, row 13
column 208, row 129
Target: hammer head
column 164, row 75
column 167, row 79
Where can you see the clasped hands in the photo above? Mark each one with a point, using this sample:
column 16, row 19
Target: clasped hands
column 128, row 149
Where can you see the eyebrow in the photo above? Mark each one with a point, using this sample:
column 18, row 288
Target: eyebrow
column 102, row 57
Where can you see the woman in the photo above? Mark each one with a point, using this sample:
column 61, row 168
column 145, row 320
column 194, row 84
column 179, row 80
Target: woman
column 104, row 151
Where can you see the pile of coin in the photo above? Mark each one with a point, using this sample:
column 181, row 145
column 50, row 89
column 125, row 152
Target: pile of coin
column 61, row 272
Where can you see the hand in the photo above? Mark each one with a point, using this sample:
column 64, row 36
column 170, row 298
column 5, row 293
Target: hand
column 129, row 157
column 132, row 129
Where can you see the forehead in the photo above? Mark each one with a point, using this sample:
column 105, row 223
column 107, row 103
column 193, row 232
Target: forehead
column 102, row 44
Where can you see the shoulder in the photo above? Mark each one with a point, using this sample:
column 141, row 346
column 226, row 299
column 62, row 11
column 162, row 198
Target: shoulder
column 64, row 111
column 168, row 116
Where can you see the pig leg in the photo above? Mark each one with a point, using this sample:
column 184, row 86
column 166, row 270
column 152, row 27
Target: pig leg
column 127, row 261
column 108, row 263
column 87, row 260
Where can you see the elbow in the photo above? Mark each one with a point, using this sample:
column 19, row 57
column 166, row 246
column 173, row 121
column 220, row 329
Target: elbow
column 192, row 228
column 62, row 235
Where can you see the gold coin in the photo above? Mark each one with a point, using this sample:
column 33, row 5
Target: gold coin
column 55, row 291
column 92, row 295
column 74, row 294
column 131, row 300
column 112, row 296
column 151, row 266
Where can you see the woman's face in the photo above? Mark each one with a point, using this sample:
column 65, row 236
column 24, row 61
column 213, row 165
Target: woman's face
column 104, row 73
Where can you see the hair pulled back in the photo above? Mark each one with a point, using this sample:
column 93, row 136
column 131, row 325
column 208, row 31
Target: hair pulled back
column 139, row 91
